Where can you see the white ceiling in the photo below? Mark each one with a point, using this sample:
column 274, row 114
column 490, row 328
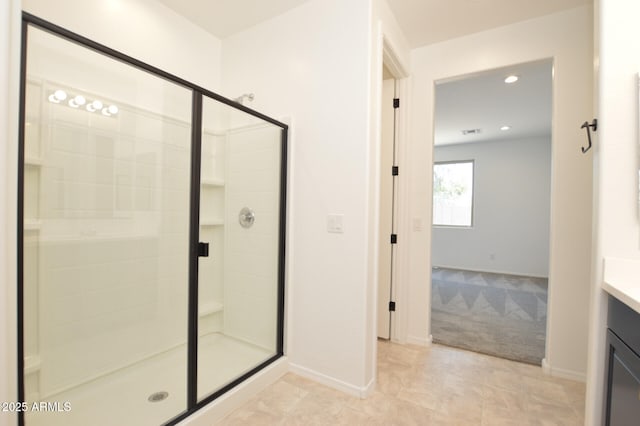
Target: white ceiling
column 423, row 21
column 223, row 18
column 483, row 101
column 430, row 21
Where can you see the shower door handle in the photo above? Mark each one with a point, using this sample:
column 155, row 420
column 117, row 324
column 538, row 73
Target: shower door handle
column 203, row 249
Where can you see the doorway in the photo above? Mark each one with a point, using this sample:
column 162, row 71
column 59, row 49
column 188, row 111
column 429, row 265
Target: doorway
column 491, row 211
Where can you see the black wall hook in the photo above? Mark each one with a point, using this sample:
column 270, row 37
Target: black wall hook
column 586, row 125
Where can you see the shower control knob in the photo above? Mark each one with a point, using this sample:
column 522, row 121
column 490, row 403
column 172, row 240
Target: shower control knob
column 246, row 217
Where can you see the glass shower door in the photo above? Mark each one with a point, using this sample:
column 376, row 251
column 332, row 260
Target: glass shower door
column 240, row 220
column 151, row 252
column 106, row 182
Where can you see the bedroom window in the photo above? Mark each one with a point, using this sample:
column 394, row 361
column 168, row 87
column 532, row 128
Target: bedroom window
column 453, row 193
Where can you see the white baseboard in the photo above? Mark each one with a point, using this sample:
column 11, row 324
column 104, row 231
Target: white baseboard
column 546, row 368
column 360, row 392
column 236, row 397
column 420, row 341
column 562, row 373
column 492, row 271
column 368, row 390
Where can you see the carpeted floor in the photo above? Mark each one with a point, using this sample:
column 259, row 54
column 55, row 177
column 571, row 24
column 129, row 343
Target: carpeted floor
column 495, row 314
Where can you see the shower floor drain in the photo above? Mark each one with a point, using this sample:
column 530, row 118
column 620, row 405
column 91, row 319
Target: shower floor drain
column 158, row 396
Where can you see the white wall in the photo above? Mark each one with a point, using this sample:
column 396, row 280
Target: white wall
column 565, row 37
column 9, row 84
column 510, row 232
column 617, row 229
column 309, row 64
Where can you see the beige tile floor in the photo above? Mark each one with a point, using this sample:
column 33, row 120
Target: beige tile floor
column 425, row 386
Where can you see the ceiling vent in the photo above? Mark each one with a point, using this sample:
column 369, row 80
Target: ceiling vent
column 471, row 132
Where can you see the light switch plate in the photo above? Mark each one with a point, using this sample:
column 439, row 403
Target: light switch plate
column 334, row 223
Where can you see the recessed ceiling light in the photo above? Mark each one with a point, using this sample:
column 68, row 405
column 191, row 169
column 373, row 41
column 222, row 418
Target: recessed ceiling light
column 511, row 79
column 504, row 128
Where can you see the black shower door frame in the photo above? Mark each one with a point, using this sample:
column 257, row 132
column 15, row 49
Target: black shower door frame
column 198, row 93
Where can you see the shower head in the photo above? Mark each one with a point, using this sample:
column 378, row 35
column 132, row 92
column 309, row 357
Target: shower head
column 240, row 99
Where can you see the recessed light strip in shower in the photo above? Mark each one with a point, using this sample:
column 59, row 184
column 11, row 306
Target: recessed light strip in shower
column 59, row 96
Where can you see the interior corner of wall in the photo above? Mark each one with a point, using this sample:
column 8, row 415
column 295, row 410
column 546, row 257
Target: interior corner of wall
column 562, row 373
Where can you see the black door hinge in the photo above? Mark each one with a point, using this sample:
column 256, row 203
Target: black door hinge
column 203, row 249
column 394, row 238
column 392, row 306
column 396, row 102
column 394, row 171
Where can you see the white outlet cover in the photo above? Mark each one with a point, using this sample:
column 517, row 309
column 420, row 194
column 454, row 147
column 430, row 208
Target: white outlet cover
column 335, row 223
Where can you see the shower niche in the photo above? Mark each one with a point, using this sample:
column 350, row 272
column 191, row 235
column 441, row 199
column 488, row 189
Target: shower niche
column 212, row 229
column 136, row 278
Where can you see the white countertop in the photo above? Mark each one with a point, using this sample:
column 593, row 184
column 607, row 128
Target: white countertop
column 622, row 280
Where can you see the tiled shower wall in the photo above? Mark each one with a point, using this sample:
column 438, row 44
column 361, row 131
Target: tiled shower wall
column 111, row 197
column 251, row 254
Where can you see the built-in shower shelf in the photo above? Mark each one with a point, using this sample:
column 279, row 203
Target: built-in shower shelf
column 214, row 132
column 212, row 182
column 211, row 222
column 33, row 161
column 32, row 364
column 32, row 225
column 208, row 308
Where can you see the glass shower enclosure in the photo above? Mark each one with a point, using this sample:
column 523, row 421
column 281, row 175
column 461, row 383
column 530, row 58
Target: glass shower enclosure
column 151, row 243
